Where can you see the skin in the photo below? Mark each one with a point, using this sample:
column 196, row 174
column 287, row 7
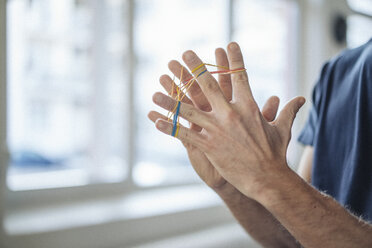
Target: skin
column 304, row 169
column 254, row 218
column 240, row 152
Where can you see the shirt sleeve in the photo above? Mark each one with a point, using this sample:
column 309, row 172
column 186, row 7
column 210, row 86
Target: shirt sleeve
column 308, row 133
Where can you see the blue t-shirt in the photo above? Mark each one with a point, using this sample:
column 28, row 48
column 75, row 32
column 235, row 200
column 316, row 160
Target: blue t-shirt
column 340, row 130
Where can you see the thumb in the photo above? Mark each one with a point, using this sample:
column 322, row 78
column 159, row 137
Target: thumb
column 288, row 114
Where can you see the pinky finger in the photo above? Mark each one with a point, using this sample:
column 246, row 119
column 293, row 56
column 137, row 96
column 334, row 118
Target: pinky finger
column 184, row 134
column 153, row 116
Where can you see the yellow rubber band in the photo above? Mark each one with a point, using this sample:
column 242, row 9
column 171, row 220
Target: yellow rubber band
column 197, row 68
column 218, row 66
column 177, row 130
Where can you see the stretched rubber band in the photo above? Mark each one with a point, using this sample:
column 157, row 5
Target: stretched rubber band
column 177, row 130
column 201, row 73
column 197, row 68
column 175, row 117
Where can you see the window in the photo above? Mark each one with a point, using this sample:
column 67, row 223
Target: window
column 67, row 93
column 69, row 84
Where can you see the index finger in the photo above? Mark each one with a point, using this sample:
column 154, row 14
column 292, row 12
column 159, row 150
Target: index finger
column 206, row 81
column 196, row 94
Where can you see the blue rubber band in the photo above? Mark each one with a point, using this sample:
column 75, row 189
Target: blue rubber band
column 201, row 73
column 175, row 116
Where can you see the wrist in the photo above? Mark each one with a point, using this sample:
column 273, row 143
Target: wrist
column 228, row 192
column 274, row 185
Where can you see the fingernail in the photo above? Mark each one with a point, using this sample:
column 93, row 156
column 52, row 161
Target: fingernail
column 160, row 125
column 233, row 46
column 156, row 98
column 302, row 101
column 188, row 55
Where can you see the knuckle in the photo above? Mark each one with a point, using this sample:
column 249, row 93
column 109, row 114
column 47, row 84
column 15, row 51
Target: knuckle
column 232, row 117
column 188, row 113
column 240, row 77
column 212, row 87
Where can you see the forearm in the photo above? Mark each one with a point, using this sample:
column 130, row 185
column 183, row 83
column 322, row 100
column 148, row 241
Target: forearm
column 314, row 219
column 255, row 219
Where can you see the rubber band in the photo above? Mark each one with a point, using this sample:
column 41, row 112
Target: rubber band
column 175, row 119
column 201, row 73
column 218, row 66
column 197, row 68
column 179, row 91
column 177, row 130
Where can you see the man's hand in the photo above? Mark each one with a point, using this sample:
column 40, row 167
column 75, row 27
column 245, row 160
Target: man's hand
column 247, row 150
column 198, row 159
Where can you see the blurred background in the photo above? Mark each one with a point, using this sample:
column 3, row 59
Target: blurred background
column 82, row 166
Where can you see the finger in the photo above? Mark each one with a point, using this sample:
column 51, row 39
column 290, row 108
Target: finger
column 184, row 134
column 224, row 80
column 153, row 116
column 288, row 114
column 186, row 111
column 206, row 81
column 196, row 94
column 239, row 80
column 270, row 109
column 169, row 85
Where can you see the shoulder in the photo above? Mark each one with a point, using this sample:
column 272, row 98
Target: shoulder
column 349, row 64
column 342, row 70
column 354, row 61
